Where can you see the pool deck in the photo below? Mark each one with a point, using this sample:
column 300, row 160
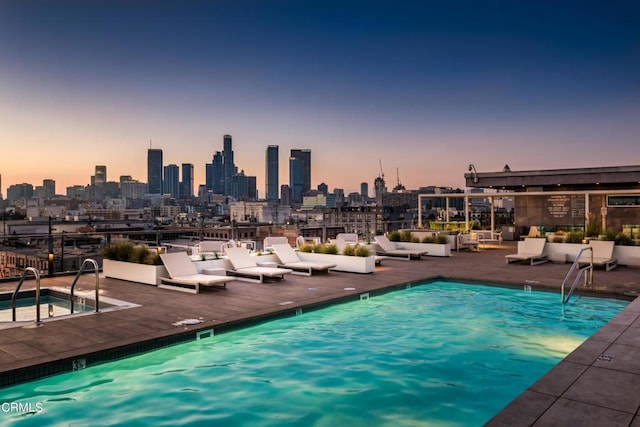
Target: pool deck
column 597, row 384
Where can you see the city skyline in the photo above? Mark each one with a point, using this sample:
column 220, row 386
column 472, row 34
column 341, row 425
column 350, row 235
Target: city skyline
column 424, row 87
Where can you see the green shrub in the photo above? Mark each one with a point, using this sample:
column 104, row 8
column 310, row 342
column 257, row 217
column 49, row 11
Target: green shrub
column 609, row 235
column 558, row 239
column 307, row 247
column 593, row 229
column 441, row 239
column 318, row 248
column 127, row 251
column 415, row 239
column 574, row 237
column 394, row 236
column 428, row 239
column 362, row 251
column 330, row 249
column 624, row 240
column 349, row 250
column 406, row 236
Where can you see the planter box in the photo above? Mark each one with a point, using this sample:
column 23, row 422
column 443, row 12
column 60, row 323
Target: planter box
column 133, row 272
column 350, row 264
column 434, row 249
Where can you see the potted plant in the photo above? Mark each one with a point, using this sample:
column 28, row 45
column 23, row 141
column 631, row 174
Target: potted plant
column 134, row 263
column 354, row 259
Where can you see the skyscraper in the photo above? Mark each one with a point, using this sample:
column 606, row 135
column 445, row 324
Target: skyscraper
column 215, row 174
column 229, row 166
column 186, row 185
column 299, row 174
column 272, row 172
column 49, row 187
column 154, row 170
column 100, row 176
column 364, row 190
column 172, row 180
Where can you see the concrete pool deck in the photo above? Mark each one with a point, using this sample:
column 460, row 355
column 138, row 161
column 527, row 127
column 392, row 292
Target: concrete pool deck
column 597, row 384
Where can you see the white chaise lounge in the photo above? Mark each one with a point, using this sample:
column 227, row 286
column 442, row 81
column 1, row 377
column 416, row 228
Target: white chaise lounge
column 184, row 276
column 531, row 250
column 245, row 267
column 289, row 259
column 468, row 241
column 393, row 249
column 602, row 254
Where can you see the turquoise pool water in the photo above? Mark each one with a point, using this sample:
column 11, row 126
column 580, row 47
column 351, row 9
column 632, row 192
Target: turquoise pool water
column 442, row 354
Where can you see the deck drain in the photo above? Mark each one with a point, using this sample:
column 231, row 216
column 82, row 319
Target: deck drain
column 285, row 303
column 349, row 289
column 605, row 358
column 187, row 322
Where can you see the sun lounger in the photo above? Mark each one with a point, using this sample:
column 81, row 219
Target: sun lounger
column 468, row 241
column 184, row 276
column 245, row 267
column 289, row 259
column 602, row 254
column 268, row 242
column 531, row 250
column 392, row 249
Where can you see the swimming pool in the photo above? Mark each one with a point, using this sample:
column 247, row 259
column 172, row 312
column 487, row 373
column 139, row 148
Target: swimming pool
column 440, row 354
column 52, row 303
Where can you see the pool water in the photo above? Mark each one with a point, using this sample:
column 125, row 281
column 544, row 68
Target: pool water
column 50, row 306
column 442, row 354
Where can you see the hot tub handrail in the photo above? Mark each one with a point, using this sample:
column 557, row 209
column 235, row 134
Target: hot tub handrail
column 36, row 274
column 96, row 269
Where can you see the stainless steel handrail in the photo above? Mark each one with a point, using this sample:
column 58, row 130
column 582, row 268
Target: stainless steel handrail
column 80, row 271
column 36, row 273
column 576, row 264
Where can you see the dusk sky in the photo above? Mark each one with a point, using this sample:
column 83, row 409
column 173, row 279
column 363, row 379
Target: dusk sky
column 426, row 87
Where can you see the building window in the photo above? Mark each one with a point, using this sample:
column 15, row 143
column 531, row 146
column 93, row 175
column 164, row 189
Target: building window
column 625, row 200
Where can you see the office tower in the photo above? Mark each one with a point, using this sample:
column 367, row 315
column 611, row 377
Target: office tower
column 0, row 186
column 215, row 174
column 101, row 176
column 285, row 195
column 172, row 180
column 154, row 170
column 364, row 190
column 272, row 172
column 229, row 166
column 19, row 191
column 299, row 174
column 49, row 188
column 323, row 189
column 186, row 185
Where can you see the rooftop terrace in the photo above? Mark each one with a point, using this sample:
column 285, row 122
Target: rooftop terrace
column 584, row 388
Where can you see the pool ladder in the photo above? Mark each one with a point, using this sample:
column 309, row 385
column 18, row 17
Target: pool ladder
column 588, row 278
column 36, row 274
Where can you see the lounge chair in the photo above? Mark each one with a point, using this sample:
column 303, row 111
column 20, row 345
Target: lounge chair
column 602, row 254
column 392, row 249
column 268, row 242
column 184, row 276
column 468, row 241
column 289, row 259
column 245, row 267
column 530, row 250
column 350, row 238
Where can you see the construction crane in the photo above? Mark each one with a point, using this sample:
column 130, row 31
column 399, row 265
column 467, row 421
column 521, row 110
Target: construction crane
column 381, row 175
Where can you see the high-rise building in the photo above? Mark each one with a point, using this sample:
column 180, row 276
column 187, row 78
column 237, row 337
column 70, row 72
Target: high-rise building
column 186, row 185
column 215, row 174
column 229, row 165
column 364, row 190
column 285, row 195
column 101, row 176
column 323, row 189
column 19, row 191
column 154, row 170
column 272, row 173
column 299, row 174
column 172, row 180
column 49, row 188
